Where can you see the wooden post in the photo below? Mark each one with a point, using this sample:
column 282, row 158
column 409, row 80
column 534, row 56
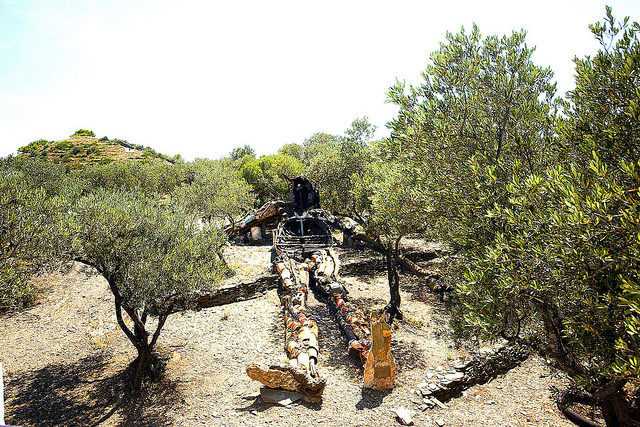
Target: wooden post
column 1, row 396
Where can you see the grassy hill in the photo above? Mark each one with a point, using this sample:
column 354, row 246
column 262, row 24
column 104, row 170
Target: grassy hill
column 81, row 149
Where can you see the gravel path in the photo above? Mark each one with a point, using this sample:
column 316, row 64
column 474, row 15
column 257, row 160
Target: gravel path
column 64, row 362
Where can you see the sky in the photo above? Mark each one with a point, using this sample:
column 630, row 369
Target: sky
column 198, row 78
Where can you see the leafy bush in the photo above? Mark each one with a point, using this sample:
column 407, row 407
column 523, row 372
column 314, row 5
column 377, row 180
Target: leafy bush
column 266, row 176
column 84, row 132
column 565, row 265
column 154, row 259
column 240, row 152
column 34, row 196
column 62, row 145
column 152, row 177
column 33, row 147
column 216, row 191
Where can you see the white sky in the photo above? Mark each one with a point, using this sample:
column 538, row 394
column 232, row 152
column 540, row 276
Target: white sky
column 201, row 77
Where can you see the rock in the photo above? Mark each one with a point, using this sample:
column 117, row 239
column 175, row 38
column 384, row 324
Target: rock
column 279, row 397
column 251, row 395
column 423, row 385
column 490, row 402
column 429, row 375
column 437, row 402
column 454, row 377
column 439, row 421
column 433, row 387
column 439, row 369
column 404, row 416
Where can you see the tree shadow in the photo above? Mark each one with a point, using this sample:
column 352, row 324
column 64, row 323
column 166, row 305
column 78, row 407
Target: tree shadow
column 371, row 398
column 86, row 392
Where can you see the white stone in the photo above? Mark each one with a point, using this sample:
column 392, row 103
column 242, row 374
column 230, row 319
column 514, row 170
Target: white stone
column 454, row 377
column 404, row 416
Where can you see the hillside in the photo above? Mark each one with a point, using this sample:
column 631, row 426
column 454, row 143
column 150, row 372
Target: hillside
column 80, row 150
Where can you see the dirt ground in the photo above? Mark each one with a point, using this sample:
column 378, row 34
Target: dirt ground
column 65, row 361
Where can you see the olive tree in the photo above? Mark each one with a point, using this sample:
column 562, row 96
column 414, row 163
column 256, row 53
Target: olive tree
column 267, row 176
column 34, row 196
column 153, row 258
column 394, row 208
column 216, row 191
column 336, row 164
column 484, row 110
column 565, row 267
column 151, row 176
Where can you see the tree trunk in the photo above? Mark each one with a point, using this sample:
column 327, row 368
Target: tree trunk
column 614, row 406
column 393, row 309
column 142, row 367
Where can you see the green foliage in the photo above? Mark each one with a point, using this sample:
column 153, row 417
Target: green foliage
column 564, row 266
column 33, row 147
column 84, row 132
column 293, row 150
column 265, row 176
column 338, row 164
column 153, row 257
column 483, row 115
column 149, row 177
column 63, row 145
column 34, row 196
column 239, row 153
column 215, row 190
column 316, row 145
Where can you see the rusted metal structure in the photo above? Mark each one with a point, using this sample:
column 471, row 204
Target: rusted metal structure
column 304, row 260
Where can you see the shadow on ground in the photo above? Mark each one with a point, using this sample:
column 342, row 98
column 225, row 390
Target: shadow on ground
column 371, row 398
column 86, row 392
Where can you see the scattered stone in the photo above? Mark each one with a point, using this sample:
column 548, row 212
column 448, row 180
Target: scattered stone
column 279, row 397
column 429, row 375
column 439, row 421
column 253, row 412
column 454, row 377
column 251, row 395
column 439, row 369
column 490, row 402
column 433, row 387
column 404, row 416
column 423, row 385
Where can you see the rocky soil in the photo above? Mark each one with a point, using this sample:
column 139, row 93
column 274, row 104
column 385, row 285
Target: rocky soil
column 65, row 361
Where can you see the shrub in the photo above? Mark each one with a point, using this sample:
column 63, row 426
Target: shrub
column 33, row 147
column 34, row 196
column 154, row 259
column 84, row 132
